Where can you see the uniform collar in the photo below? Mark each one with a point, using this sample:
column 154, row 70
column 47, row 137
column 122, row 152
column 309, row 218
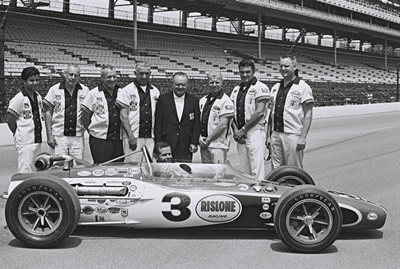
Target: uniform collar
column 63, row 86
column 148, row 86
column 294, row 81
column 218, row 96
column 101, row 87
column 25, row 92
column 252, row 82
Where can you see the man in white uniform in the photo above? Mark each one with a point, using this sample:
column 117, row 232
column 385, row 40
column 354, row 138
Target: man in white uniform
column 216, row 113
column 250, row 100
column 24, row 118
column 63, row 114
column 137, row 102
column 291, row 116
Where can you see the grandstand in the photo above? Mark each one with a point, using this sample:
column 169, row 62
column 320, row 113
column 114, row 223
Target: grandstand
column 49, row 40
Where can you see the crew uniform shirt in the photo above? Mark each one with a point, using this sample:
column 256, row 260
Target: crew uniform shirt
column 29, row 117
column 141, row 105
column 105, row 121
column 244, row 100
column 212, row 110
column 66, row 120
column 287, row 105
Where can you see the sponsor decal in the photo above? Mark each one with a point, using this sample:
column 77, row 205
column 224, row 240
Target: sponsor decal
column 243, row 187
column 270, row 189
column 219, row 208
column 265, row 206
column 191, row 116
column 128, row 175
column 101, row 201
column 84, row 173
column 265, row 200
column 224, row 184
column 99, row 218
column 124, row 212
column 372, row 216
column 252, row 92
column 122, row 170
column 114, row 210
column 126, row 183
column 111, row 172
column 133, row 188
column 101, row 210
column 98, row 173
column 81, row 98
column 88, row 210
column 264, row 90
column 265, row 215
column 58, row 97
column 296, row 94
column 216, row 109
column 134, row 170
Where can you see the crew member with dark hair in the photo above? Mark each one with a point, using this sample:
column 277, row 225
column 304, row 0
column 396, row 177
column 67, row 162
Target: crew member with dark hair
column 162, row 152
column 100, row 117
column 24, row 118
column 250, row 100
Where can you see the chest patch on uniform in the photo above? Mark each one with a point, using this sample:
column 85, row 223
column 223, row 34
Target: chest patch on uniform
column 252, row 92
column 81, row 98
column 296, row 94
column 216, row 108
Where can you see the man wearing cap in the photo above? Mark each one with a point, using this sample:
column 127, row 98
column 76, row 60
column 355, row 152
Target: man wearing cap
column 24, row 118
column 250, row 100
column 216, row 110
column 63, row 114
column 137, row 102
column 100, row 117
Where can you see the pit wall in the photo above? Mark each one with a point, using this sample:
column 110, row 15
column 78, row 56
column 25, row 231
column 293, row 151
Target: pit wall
column 318, row 113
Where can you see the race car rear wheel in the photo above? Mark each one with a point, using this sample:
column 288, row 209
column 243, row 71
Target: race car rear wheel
column 41, row 212
column 307, row 219
column 290, row 175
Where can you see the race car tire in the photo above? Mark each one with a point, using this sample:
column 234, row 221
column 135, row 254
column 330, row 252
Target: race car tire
column 307, row 219
column 290, row 175
column 42, row 212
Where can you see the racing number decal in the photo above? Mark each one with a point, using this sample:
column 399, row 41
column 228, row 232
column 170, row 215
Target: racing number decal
column 184, row 212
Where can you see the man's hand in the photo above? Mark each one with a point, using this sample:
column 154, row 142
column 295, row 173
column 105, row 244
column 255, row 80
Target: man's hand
column 51, row 141
column 203, row 142
column 132, row 143
column 301, row 144
column 193, row 148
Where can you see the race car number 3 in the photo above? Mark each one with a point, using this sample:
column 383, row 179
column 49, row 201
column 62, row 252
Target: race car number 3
column 182, row 207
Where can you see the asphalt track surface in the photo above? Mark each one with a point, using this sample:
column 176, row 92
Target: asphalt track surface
column 358, row 155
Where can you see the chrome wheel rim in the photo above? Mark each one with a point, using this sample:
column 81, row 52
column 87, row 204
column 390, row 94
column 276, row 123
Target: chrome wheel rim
column 309, row 221
column 40, row 213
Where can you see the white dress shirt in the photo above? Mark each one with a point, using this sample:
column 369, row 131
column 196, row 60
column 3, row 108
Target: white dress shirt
column 179, row 104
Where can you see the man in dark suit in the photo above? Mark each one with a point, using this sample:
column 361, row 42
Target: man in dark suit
column 177, row 119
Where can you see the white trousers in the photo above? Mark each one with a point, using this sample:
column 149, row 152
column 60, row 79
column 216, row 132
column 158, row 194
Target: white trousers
column 26, row 157
column 137, row 157
column 73, row 146
column 251, row 154
column 283, row 150
column 213, row 155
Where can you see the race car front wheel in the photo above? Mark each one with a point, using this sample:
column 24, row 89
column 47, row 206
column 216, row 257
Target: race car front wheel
column 307, row 219
column 290, row 175
column 41, row 212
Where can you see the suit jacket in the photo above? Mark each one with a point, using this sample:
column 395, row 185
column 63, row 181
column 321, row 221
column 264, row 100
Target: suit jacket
column 178, row 134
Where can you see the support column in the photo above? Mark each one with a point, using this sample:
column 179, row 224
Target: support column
column 240, row 27
column 111, row 6
column 214, row 23
column 284, row 31
column 134, row 2
column 334, row 47
column 303, row 39
column 385, row 48
column 150, row 14
column 66, row 6
column 259, row 34
column 320, row 36
column 361, row 44
column 185, row 15
column 348, row 42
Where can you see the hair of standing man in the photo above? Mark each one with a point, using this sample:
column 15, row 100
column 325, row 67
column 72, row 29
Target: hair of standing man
column 107, row 66
column 247, row 62
column 142, row 65
column 214, row 74
column 29, row 71
column 180, row 74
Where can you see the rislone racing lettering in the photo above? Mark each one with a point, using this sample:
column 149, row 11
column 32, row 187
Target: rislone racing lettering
column 218, row 206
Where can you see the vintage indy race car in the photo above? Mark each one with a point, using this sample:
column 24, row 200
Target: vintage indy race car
column 45, row 207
